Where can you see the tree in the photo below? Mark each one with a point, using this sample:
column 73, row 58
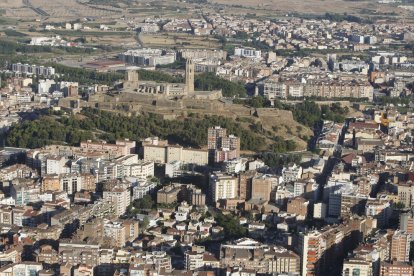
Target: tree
column 144, row 203
column 231, row 225
column 144, row 224
column 399, row 205
column 307, row 113
column 209, row 81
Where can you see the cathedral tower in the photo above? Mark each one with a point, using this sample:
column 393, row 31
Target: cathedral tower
column 189, row 76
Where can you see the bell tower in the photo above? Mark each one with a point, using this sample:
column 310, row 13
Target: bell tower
column 189, row 76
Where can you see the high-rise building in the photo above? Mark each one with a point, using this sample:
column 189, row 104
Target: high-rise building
column 310, row 247
column 245, row 184
column 400, row 246
column 222, row 147
column 214, row 137
column 407, row 222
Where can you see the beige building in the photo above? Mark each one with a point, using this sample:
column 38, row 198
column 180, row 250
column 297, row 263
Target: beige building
column 223, row 187
column 396, row 269
column 121, row 147
column 79, row 252
column 298, row 206
column 406, row 193
column 51, row 183
column 261, row 188
column 283, row 261
column 168, row 194
column 119, row 232
column 400, row 246
column 159, row 151
column 338, row 89
column 357, row 267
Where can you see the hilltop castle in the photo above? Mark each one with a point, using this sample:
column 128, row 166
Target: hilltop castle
column 168, row 90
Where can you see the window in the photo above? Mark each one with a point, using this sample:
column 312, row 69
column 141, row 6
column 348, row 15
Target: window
column 74, row 185
column 356, row 272
column 65, row 185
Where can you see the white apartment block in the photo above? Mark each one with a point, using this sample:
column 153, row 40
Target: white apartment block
column 120, row 199
column 55, row 165
column 274, row 89
column 131, row 166
column 223, row 187
column 33, row 69
column 142, row 189
column 248, row 52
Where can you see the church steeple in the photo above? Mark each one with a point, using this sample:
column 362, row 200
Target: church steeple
column 189, row 76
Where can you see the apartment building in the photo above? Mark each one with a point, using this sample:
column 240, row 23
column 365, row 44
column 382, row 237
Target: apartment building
column 55, row 165
column 356, row 267
column 79, row 252
column 143, row 188
column 120, row 148
column 247, row 52
column 275, row 89
column 33, row 69
column 244, row 253
column 222, row 147
column 261, row 188
column 194, row 259
column 315, row 87
column 283, row 261
column 406, row 222
column 396, row 269
column 159, row 151
column 400, row 246
column 223, row 187
column 311, row 250
column 119, row 197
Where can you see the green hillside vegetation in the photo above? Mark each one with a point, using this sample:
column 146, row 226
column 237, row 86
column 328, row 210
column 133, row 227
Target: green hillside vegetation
column 209, row 81
column 97, row 124
column 84, row 76
column 45, row 131
column 189, row 132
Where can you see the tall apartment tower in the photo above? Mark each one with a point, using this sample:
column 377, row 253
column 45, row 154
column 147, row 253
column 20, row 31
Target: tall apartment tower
column 189, row 76
column 400, row 246
column 222, row 147
column 407, row 222
column 214, row 136
column 311, row 250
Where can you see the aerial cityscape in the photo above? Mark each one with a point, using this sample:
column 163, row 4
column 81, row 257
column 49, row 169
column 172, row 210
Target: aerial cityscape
column 207, row 137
